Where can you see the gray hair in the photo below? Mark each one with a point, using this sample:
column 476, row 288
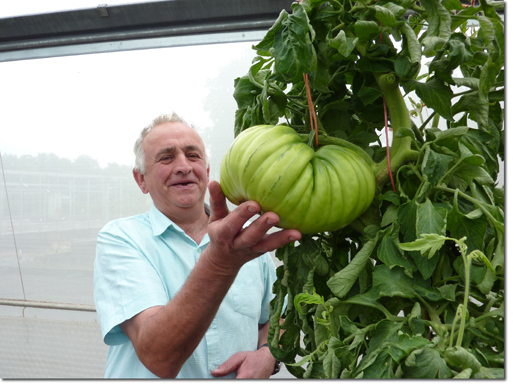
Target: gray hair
column 139, row 166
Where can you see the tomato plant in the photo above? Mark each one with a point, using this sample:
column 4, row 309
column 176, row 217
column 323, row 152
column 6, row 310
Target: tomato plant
column 414, row 287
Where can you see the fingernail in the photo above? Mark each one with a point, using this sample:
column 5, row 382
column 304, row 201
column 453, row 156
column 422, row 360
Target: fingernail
column 252, row 209
column 271, row 222
column 292, row 239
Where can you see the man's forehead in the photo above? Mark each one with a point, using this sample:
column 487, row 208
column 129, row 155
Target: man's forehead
column 172, row 149
column 171, row 132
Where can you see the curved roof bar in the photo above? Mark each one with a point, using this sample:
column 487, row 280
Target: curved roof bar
column 136, row 26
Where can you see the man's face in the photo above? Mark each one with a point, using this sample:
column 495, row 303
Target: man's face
column 176, row 173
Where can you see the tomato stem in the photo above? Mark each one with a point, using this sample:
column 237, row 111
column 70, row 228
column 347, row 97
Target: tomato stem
column 400, row 151
column 326, row 140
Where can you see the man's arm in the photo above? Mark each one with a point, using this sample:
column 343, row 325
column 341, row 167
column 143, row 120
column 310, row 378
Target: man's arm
column 164, row 337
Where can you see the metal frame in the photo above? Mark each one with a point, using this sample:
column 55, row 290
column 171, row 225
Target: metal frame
column 136, row 26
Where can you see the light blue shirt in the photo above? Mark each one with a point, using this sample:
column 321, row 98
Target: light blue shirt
column 143, row 261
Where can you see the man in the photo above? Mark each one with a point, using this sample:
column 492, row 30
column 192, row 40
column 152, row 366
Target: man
column 183, row 291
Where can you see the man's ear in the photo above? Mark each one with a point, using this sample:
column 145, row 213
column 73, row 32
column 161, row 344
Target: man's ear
column 139, row 178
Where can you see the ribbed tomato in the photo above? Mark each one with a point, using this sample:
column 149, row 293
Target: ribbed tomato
column 312, row 191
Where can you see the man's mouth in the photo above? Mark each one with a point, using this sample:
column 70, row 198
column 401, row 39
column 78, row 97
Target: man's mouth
column 183, row 184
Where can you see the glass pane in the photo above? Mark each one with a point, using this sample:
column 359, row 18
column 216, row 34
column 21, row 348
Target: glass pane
column 68, row 129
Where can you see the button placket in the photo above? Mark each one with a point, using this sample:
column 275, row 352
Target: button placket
column 212, row 338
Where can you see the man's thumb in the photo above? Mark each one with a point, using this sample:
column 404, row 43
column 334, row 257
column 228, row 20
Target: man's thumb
column 231, row 365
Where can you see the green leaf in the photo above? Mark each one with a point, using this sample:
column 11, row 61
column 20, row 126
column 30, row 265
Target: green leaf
column 431, row 219
column 435, row 165
column 426, row 362
column 451, row 133
column 390, row 254
column 343, row 44
column 438, row 19
column 459, row 359
column 413, row 44
column 378, row 364
column 342, row 281
column 265, row 47
column 407, row 216
column 392, row 282
column 369, row 94
column 406, row 68
column 368, row 300
column 464, row 374
column 489, row 373
column 435, row 94
column 470, row 173
column 472, row 83
column 366, row 30
column 428, row 244
column 331, row 363
column 307, row 299
column 452, row 4
column 460, row 226
column 472, row 103
column 245, row 92
column 432, row 45
column 405, row 345
column 293, row 48
column 390, row 215
column 385, row 15
column 448, row 291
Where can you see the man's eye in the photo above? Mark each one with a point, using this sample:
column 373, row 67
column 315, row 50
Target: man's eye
column 167, row 158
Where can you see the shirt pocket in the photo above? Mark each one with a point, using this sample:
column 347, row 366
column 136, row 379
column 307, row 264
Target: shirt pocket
column 247, row 290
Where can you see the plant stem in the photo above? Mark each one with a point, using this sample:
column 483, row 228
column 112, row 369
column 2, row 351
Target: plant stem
column 326, row 140
column 400, row 151
column 436, row 323
column 469, row 198
column 467, row 263
column 425, row 123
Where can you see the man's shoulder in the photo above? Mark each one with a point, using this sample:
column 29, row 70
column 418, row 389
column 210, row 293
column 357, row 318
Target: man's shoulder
column 135, row 222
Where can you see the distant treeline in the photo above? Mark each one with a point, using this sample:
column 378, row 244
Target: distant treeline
column 49, row 162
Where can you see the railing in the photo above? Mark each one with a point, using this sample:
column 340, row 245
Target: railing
column 47, row 305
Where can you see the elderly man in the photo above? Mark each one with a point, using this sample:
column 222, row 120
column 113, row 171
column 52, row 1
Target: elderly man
column 183, row 290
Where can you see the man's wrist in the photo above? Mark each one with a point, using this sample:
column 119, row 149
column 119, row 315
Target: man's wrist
column 277, row 364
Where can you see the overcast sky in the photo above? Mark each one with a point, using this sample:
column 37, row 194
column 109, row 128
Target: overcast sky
column 97, row 104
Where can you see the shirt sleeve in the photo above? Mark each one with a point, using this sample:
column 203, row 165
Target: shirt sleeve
column 125, row 283
column 269, row 272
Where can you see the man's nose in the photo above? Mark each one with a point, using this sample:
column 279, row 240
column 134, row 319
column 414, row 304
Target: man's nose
column 182, row 165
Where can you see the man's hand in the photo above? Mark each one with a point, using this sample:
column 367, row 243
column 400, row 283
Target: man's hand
column 231, row 245
column 248, row 364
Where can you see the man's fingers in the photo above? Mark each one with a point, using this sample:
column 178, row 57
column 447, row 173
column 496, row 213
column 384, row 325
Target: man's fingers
column 255, row 235
column 218, row 207
column 256, row 230
column 230, row 365
column 276, row 240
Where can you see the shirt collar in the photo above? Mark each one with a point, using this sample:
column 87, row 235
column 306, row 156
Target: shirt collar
column 160, row 223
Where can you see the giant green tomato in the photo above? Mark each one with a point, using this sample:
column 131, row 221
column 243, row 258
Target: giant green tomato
column 312, row 191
